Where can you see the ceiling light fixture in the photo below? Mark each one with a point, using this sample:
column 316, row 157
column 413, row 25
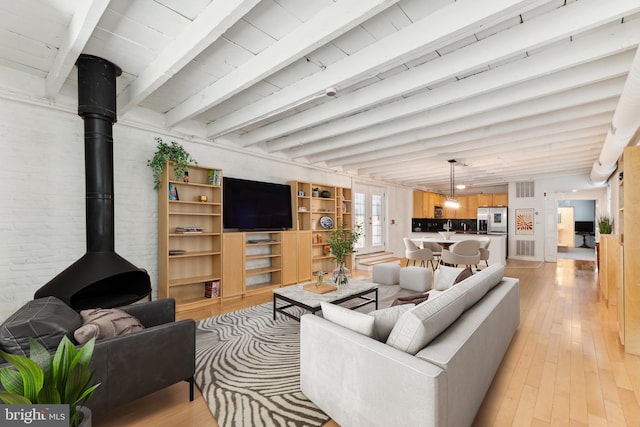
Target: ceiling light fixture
column 451, row 201
column 461, row 186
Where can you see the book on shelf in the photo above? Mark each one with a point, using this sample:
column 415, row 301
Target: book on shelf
column 173, row 192
column 189, row 229
column 212, row 289
column 214, row 177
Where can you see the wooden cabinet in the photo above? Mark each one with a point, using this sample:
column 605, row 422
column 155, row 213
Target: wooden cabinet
column 608, row 274
column 629, row 232
column 189, row 237
column 500, row 199
column 233, row 265
column 261, row 261
column 484, row 200
column 314, row 203
column 424, row 203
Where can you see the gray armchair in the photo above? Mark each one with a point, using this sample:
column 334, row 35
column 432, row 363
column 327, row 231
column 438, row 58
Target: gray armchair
column 127, row 366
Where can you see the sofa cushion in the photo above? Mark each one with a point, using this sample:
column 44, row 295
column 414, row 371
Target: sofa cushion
column 386, row 318
column 101, row 323
column 354, row 320
column 445, row 276
column 45, row 319
column 418, row 326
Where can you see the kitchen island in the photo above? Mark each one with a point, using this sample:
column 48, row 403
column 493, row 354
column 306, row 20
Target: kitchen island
column 497, row 247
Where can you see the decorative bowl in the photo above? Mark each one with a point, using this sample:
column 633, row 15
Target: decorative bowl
column 446, row 234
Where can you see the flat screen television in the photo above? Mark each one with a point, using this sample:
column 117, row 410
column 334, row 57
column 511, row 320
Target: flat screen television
column 255, row 205
column 585, row 227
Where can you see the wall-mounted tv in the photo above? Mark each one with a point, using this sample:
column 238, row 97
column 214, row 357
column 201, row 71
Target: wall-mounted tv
column 255, row 205
column 585, row 227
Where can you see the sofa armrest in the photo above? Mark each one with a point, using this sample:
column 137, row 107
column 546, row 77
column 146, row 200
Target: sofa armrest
column 133, row 365
column 359, row 381
column 153, row 313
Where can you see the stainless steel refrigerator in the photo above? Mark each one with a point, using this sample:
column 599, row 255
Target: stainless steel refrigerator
column 492, row 220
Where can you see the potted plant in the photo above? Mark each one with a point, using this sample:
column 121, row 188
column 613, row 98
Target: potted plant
column 42, row 378
column 165, row 153
column 341, row 243
column 605, row 225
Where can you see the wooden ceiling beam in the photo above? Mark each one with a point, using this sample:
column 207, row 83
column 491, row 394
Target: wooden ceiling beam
column 545, row 30
column 444, row 26
column 214, row 20
column 316, row 32
column 559, row 59
column 83, row 22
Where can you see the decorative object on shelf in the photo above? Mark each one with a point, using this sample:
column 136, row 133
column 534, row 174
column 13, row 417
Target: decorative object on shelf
column 605, row 225
column 165, row 153
column 301, row 193
column 185, row 178
column 341, row 243
column 326, row 250
column 203, row 198
column 315, row 192
column 320, row 274
column 326, row 222
column 325, row 194
column 319, row 238
column 177, row 252
column 43, row 378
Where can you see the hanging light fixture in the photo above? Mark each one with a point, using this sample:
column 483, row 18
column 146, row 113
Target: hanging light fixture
column 451, row 201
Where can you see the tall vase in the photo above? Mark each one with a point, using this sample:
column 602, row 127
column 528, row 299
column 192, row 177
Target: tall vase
column 341, row 276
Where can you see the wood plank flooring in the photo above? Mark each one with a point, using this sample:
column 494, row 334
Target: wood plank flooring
column 565, row 365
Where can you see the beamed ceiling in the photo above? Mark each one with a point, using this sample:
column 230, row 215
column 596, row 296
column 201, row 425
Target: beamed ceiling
column 512, row 90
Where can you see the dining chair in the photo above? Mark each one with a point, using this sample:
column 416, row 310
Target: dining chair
column 465, row 252
column 414, row 253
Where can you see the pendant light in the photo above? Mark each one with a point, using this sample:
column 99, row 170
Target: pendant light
column 451, row 201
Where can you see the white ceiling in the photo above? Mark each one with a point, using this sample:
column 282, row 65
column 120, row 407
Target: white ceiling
column 512, row 90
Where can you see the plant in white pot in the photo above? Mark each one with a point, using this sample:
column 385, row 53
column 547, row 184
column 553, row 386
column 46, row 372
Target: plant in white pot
column 42, row 378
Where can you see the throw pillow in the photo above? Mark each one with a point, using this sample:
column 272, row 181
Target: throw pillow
column 354, row 320
column 105, row 323
column 445, row 276
column 414, row 299
column 385, row 319
column 45, row 319
column 464, row 274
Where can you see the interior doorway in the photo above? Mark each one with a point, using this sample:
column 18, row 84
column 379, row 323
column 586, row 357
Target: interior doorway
column 369, row 206
column 576, row 229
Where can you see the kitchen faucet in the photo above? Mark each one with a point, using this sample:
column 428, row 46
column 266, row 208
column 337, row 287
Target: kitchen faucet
column 448, row 225
column 464, row 226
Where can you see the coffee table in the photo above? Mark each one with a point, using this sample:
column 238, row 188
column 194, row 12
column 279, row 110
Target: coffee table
column 297, row 296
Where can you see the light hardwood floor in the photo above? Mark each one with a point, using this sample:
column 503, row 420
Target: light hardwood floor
column 565, row 366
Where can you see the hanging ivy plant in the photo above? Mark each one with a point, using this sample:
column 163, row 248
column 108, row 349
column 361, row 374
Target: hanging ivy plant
column 169, row 152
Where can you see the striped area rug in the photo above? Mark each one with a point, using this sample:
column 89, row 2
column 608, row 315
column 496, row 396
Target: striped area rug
column 248, row 367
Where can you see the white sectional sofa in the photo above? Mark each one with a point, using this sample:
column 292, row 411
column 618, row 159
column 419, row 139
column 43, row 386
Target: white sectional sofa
column 435, row 367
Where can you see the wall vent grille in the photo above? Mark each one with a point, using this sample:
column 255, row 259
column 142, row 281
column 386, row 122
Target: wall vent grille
column 525, row 189
column 526, row 247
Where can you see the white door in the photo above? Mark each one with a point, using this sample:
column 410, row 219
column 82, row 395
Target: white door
column 369, row 208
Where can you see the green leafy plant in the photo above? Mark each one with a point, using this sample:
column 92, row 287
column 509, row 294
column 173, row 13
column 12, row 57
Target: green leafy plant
column 605, row 225
column 164, row 154
column 342, row 242
column 41, row 378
